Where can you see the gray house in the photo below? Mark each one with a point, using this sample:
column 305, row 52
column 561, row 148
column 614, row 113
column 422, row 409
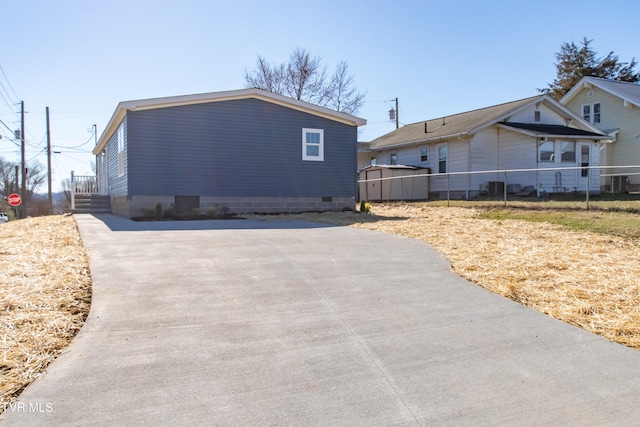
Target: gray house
column 246, row 150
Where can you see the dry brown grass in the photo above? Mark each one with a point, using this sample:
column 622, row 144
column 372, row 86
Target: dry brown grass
column 45, row 289
column 589, row 280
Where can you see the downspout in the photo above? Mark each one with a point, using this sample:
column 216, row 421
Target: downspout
column 468, row 166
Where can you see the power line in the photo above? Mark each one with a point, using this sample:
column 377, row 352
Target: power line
column 9, row 83
column 81, row 145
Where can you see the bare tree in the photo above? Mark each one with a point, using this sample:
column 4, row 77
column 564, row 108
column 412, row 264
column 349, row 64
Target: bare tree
column 305, row 78
column 7, row 178
column 35, row 176
column 345, row 96
column 266, row 76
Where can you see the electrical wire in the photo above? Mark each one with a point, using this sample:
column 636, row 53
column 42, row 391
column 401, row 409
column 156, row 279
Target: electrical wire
column 9, row 83
column 81, row 145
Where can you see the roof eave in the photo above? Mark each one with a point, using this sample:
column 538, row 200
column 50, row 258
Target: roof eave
column 175, row 101
column 421, row 141
column 534, row 134
column 587, row 83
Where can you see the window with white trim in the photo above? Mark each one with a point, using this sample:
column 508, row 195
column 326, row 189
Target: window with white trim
column 373, row 161
column 568, row 151
column 591, row 112
column 393, row 158
column 121, row 144
column 313, row 144
column 443, row 154
column 424, row 154
column 546, row 151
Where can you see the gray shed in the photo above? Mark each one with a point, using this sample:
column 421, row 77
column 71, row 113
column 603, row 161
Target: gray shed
column 386, row 182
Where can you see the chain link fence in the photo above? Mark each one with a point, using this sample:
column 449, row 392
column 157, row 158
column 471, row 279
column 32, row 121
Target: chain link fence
column 592, row 187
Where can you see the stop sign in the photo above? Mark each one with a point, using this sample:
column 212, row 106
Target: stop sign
column 14, row 199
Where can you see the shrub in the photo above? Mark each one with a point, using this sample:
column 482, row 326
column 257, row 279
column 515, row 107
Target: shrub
column 211, row 213
column 365, row 207
column 148, row 213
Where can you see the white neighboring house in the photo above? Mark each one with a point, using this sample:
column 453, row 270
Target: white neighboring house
column 534, row 133
column 614, row 107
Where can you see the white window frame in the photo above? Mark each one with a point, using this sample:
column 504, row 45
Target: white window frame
column 562, row 151
column 373, row 161
column 421, row 154
column 121, row 148
column 393, row 158
column 553, row 151
column 320, row 144
column 446, row 159
column 591, row 115
column 585, row 110
column 596, row 116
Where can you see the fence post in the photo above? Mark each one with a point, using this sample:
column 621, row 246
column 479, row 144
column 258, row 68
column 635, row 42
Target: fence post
column 588, row 185
column 505, row 189
column 72, row 190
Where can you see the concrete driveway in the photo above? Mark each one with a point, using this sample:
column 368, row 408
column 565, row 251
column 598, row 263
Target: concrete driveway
column 273, row 323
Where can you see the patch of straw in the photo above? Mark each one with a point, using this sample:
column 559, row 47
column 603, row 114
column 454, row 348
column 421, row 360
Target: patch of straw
column 45, row 289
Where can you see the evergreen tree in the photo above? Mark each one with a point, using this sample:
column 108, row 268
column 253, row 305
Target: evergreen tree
column 574, row 63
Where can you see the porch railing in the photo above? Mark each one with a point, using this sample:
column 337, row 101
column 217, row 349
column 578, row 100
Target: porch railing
column 82, row 185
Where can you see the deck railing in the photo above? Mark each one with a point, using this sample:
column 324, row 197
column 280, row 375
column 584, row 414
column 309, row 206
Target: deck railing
column 82, row 184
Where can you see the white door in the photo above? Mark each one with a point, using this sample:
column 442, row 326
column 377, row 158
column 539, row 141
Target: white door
column 584, row 160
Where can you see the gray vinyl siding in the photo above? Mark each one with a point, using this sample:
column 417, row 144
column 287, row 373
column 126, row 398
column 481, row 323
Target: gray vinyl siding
column 117, row 184
column 239, row 148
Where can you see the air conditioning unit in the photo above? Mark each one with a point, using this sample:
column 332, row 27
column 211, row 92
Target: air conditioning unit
column 620, row 184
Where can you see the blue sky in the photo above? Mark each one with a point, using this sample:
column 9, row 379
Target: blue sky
column 80, row 58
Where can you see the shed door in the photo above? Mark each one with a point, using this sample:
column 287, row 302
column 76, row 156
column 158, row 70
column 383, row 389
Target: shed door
column 374, row 188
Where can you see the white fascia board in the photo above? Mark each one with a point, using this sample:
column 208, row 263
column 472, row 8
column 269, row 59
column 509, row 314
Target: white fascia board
column 587, row 83
column 506, row 115
column 582, row 84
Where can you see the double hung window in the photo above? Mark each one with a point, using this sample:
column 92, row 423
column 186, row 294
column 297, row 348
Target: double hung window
column 313, row 144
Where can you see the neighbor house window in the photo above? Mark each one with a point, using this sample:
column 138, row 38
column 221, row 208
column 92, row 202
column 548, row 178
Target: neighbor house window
column 121, row 144
column 424, row 154
column 373, row 161
column 596, row 112
column 393, row 158
column 586, row 112
column 313, row 144
column 442, row 158
column 546, row 151
column 568, row 151
column 591, row 112
column 536, row 116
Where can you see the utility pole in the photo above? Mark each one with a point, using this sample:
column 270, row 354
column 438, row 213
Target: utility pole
column 397, row 113
column 49, row 164
column 394, row 114
column 23, row 173
column 17, row 188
